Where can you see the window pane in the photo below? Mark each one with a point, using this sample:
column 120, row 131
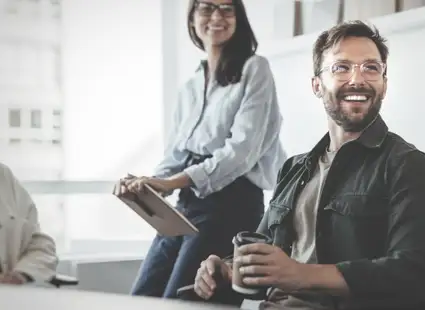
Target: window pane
column 36, row 119
column 57, row 119
column 95, row 100
column 74, row 220
column 14, row 141
column 14, row 118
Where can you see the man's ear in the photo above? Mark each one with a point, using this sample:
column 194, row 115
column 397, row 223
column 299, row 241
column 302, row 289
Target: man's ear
column 316, row 86
column 384, row 93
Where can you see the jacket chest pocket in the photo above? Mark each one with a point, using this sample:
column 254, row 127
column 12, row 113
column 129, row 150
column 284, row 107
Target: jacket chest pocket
column 358, row 222
column 15, row 227
column 278, row 227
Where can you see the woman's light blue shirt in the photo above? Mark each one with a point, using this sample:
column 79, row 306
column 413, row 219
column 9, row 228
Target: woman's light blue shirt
column 238, row 125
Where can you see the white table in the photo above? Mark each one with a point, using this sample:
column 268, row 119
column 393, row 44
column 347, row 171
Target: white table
column 33, row 298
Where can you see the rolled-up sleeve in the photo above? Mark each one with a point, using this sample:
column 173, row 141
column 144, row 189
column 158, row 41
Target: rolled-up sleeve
column 402, row 272
column 256, row 127
column 38, row 258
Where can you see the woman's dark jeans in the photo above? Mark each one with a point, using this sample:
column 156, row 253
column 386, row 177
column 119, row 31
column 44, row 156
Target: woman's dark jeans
column 172, row 262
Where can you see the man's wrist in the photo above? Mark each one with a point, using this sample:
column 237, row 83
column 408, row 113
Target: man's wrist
column 27, row 278
column 322, row 278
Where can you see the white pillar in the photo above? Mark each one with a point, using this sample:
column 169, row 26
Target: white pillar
column 366, row 9
column 412, row 4
column 284, row 18
column 170, row 58
column 318, row 15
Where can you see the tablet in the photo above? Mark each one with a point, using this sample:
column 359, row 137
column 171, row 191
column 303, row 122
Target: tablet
column 158, row 212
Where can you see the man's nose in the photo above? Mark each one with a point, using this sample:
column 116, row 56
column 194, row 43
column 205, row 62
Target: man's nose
column 357, row 77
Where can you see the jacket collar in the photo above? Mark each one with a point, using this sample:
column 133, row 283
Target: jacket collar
column 372, row 137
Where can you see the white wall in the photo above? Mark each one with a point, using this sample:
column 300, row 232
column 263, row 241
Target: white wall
column 403, row 108
column 363, row 9
column 112, row 84
column 113, row 107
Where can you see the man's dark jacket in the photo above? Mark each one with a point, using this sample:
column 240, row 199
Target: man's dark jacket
column 371, row 217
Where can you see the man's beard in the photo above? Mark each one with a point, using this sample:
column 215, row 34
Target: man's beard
column 342, row 118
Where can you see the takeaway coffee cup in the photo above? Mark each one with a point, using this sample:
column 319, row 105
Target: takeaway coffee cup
column 240, row 239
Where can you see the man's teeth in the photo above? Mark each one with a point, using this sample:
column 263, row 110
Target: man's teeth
column 355, row 98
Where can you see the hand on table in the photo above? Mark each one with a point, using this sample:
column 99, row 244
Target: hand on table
column 14, row 278
column 211, row 269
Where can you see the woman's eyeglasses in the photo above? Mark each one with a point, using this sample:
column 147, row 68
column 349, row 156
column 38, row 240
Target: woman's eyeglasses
column 207, row 9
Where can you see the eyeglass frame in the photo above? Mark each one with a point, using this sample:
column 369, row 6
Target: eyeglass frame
column 216, row 7
column 353, row 68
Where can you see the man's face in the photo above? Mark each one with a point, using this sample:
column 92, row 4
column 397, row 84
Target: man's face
column 352, row 84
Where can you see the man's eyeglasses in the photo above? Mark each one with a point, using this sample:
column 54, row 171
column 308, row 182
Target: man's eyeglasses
column 207, row 9
column 344, row 70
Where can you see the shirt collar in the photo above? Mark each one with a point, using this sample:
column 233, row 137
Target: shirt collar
column 201, row 66
column 372, row 137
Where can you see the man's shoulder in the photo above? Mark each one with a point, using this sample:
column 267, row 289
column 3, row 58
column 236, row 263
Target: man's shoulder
column 7, row 182
column 5, row 172
column 291, row 162
column 298, row 158
column 398, row 147
column 401, row 153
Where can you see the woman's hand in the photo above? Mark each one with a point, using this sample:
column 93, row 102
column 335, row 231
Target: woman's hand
column 120, row 188
column 136, row 184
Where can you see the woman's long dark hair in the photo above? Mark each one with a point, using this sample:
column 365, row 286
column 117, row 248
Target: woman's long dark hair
column 236, row 51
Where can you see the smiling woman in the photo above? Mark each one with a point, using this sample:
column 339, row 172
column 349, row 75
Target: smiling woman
column 219, row 154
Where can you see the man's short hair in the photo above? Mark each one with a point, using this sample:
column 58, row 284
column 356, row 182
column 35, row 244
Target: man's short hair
column 336, row 34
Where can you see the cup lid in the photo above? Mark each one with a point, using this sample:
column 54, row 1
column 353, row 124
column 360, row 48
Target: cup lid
column 246, row 237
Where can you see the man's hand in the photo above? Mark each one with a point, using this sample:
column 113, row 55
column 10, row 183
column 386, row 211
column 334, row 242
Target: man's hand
column 14, row 278
column 267, row 265
column 213, row 266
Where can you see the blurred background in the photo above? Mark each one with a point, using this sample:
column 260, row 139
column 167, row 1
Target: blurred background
column 87, row 88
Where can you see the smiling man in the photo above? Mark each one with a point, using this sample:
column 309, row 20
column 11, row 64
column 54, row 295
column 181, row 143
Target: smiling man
column 347, row 219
